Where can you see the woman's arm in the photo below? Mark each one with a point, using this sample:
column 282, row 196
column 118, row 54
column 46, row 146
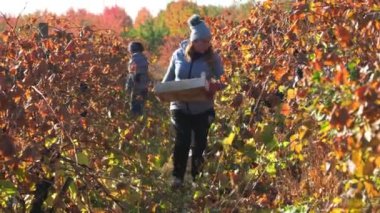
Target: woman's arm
column 170, row 73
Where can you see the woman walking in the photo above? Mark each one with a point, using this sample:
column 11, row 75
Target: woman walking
column 190, row 60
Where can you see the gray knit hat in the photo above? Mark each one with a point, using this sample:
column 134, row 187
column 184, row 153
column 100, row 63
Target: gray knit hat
column 198, row 28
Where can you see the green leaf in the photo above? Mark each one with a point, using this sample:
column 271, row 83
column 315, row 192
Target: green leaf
column 284, row 144
column 73, row 190
column 352, row 68
column 312, row 56
column 50, row 141
column 325, row 127
column 272, row 157
column 250, row 151
column 282, row 89
column 268, row 138
column 267, row 134
column 271, row 169
column 83, row 159
column 197, row 194
column 317, row 76
column 7, row 187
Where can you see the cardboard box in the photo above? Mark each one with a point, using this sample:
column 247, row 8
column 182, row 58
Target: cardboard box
column 184, row 90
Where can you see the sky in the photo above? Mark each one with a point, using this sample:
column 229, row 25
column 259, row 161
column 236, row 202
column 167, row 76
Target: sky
column 14, row 7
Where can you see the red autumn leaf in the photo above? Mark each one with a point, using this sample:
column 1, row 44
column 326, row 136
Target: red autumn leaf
column 292, row 36
column 223, row 79
column 279, row 73
column 48, row 44
column 41, row 69
column 361, row 93
column 4, row 100
column 255, row 91
column 343, row 35
column 331, row 59
column 26, row 45
column 2, row 81
column 83, row 122
column 273, row 100
column 366, row 94
column 317, row 65
column 341, row 75
column 7, row 145
column 70, row 46
column 285, row 109
column 318, row 54
column 339, row 117
column 43, row 109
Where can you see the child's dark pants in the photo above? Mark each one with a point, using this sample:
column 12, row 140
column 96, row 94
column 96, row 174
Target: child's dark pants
column 138, row 101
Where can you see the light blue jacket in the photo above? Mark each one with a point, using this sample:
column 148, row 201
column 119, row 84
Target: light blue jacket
column 179, row 69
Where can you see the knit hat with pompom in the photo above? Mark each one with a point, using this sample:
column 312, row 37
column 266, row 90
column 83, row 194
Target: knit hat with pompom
column 198, row 28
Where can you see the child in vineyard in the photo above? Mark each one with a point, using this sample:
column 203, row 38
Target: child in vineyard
column 193, row 57
column 138, row 79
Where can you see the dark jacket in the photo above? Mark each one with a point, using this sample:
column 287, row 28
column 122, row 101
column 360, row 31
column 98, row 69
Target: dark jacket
column 138, row 81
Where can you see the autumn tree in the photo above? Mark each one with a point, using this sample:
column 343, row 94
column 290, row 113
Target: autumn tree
column 176, row 15
column 169, row 45
column 81, row 17
column 116, row 18
column 142, row 16
column 211, row 10
column 2, row 26
column 149, row 32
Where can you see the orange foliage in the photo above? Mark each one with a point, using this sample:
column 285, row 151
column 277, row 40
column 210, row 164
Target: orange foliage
column 142, row 16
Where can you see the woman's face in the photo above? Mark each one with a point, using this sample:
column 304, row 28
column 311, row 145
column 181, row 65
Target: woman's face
column 201, row 45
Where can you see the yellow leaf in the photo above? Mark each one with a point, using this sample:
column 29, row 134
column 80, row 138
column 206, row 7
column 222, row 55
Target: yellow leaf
column 337, row 200
column 229, row 139
column 357, row 159
column 302, row 132
column 377, row 162
column 267, row 4
column 291, row 94
column 355, row 203
column 197, row 195
column 298, row 148
column 344, row 167
column 28, row 95
column 244, row 30
column 337, row 210
column 294, row 138
column 371, row 190
column 248, row 56
column 311, row 18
